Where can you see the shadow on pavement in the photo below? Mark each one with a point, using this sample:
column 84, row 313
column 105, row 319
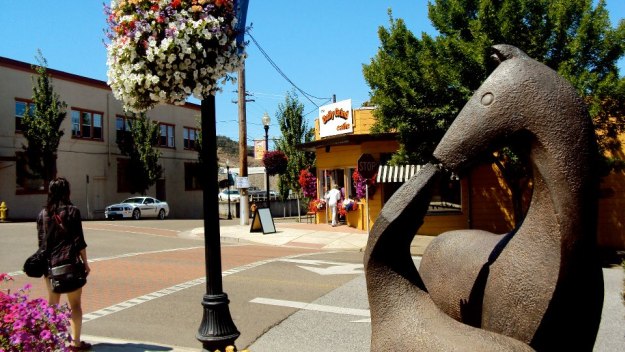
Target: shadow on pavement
column 128, row 347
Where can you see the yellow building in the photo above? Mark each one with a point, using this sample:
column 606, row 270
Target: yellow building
column 480, row 200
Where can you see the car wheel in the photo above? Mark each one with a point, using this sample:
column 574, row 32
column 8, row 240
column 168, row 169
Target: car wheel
column 161, row 214
column 136, row 214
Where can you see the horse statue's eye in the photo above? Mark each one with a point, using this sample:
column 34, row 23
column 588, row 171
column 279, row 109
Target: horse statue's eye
column 487, row 99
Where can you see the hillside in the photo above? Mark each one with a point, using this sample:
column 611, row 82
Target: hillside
column 227, row 149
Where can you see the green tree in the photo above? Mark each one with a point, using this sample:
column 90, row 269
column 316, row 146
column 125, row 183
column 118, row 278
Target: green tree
column 294, row 129
column 138, row 144
column 420, row 84
column 41, row 125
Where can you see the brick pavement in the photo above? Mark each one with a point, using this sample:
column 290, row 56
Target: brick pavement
column 120, row 278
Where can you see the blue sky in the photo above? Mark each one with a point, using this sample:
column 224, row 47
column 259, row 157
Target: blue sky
column 320, row 45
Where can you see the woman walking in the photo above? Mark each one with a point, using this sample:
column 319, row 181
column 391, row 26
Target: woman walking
column 59, row 229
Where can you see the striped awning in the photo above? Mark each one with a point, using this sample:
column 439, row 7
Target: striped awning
column 396, row 173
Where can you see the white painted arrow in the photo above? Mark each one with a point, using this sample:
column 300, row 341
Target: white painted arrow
column 334, row 268
column 315, row 307
column 344, row 269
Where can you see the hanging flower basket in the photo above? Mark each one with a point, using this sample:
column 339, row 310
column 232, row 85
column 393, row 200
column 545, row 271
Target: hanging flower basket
column 275, row 162
column 162, row 51
column 308, row 182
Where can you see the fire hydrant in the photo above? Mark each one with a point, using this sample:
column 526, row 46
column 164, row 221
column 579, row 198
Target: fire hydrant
column 3, row 212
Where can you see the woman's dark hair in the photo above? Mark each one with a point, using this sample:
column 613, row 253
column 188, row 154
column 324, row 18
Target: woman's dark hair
column 58, row 194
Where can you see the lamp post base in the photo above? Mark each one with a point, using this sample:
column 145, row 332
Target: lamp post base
column 217, row 330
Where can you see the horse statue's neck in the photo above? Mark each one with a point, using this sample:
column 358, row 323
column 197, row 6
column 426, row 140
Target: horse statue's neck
column 564, row 183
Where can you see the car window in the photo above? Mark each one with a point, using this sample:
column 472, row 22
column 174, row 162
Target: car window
column 148, row 201
column 132, row 200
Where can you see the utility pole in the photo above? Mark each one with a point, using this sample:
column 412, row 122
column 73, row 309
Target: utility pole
column 244, row 199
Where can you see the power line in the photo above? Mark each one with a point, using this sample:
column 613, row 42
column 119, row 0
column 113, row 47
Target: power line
column 275, row 66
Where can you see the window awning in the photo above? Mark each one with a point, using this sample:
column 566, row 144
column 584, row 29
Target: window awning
column 401, row 173
column 396, row 173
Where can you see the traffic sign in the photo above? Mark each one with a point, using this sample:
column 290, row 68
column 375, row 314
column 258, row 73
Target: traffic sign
column 367, row 166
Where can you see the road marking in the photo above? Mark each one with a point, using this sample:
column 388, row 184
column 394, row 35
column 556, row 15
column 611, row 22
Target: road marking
column 134, row 254
column 125, row 255
column 312, row 306
column 173, row 289
column 130, row 231
column 334, row 268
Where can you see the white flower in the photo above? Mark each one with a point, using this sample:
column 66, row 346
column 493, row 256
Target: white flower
column 176, row 57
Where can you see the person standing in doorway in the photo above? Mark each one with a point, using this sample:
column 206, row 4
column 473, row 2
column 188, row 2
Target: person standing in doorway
column 332, row 198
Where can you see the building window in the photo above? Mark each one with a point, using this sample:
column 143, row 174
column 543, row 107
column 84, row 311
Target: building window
column 192, row 177
column 86, row 124
column 122, row 128
column 27, row 181
column 446, row 195
column 20, row 110
column 166, row 138
column 190, row 137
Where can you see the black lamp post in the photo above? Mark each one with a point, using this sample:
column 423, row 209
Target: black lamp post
column 228, row 175
column 266, row 121
column 217, row 330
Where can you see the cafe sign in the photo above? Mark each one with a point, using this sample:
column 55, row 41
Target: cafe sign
column 336, row 118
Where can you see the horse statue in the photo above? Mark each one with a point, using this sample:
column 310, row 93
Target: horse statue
column 539, row 287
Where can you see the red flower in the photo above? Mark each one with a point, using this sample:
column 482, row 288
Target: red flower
column 154, row 7
column 175, row 4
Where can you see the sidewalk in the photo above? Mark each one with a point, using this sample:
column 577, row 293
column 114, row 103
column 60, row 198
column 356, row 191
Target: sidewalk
column 297, row 234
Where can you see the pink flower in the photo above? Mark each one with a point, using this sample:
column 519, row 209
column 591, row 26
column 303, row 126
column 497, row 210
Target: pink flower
column 45, row 334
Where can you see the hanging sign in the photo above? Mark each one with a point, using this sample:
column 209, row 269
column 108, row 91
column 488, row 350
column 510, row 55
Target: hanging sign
column 259, row 149
column 336, row 118
column 367, row 166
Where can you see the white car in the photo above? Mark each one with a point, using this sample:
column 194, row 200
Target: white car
column 234, row 195
column 136, row 208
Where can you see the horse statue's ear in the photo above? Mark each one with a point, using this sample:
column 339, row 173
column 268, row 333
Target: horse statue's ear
column 502, row 52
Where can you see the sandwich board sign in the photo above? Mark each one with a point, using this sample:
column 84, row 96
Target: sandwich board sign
column 262, row 221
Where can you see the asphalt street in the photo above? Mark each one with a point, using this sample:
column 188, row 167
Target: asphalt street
column 148, row 281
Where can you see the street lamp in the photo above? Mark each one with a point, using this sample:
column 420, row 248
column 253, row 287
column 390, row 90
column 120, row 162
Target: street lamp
column 217, row 330
column 266, row 120
column 228, row 179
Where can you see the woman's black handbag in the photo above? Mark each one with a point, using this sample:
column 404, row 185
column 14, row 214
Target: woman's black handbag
column 67, row 278
column 36, row 265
